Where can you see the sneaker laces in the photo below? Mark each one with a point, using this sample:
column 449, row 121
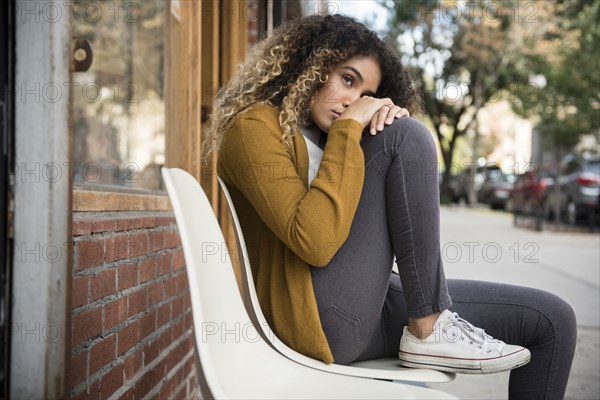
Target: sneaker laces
column 476, row 335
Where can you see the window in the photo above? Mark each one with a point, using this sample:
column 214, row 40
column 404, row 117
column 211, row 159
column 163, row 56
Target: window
column 119, row 101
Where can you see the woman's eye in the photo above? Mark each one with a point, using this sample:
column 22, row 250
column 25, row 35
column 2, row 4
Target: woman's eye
column 348, row 79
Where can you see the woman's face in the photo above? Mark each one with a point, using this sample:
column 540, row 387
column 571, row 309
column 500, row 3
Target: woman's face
column 359, row 76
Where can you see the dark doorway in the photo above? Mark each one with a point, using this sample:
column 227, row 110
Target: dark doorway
column 6, row 119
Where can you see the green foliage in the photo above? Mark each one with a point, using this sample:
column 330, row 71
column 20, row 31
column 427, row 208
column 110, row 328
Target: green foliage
column 464, row 56
column 569, row 104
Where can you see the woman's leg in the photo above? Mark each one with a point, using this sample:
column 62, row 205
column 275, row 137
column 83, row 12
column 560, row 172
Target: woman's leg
column 398, row 214
column 533, row 318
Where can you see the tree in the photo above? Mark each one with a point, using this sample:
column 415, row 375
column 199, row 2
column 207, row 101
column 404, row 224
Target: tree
column 464, row 55
column 569, row 104
column 566, row 58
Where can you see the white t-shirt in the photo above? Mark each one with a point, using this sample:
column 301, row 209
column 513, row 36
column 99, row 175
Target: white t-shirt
column 315, row 143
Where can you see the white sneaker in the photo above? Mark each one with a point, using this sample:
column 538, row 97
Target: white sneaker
column 457, row 346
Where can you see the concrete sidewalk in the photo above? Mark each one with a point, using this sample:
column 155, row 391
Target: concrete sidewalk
column 483, row 244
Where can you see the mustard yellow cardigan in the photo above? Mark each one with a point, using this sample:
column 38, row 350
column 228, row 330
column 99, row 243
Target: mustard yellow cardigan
column 286, row 226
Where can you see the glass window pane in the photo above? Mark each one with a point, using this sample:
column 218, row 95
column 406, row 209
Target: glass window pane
column 118, row 103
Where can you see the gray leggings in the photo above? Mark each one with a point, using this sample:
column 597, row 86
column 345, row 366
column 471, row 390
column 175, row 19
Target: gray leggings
column 363, row 306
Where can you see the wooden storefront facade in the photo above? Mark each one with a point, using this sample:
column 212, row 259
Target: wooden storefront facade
column 111, row 317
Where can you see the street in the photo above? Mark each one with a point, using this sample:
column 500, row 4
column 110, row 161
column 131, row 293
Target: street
column 483, row 244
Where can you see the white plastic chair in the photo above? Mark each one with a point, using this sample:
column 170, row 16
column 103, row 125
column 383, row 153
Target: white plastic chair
column 234, row 359
column 383, row 368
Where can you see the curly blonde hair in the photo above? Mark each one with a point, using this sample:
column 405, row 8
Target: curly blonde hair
column 288, row 68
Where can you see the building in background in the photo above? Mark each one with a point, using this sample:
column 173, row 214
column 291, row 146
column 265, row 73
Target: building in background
column 505, row 138
column 94, row 300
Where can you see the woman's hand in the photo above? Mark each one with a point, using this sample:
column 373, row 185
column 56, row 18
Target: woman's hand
column 378, row 112
column 386, row 115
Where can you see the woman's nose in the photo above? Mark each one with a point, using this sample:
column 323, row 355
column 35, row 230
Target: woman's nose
column 349, row 98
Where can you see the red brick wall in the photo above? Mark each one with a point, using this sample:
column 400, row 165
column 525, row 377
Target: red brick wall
column 131, row 317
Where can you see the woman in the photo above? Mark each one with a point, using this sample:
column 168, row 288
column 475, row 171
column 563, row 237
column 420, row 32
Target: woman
column 331, row 181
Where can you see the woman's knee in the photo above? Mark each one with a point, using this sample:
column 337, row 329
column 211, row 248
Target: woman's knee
column 410, row 126
column 406, row 137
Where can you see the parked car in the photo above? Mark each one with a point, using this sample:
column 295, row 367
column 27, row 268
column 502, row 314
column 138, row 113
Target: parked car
column 496, row 189
column 530, row 192
column 578, row 188
column 471, row 177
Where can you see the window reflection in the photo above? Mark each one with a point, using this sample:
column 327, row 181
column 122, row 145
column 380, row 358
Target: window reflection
column 118, row 103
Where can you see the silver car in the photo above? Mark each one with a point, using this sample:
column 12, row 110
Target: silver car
column 578, row 188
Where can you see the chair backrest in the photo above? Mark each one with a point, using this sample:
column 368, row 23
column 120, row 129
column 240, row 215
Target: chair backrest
column 248, row 289
column 220, row 318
